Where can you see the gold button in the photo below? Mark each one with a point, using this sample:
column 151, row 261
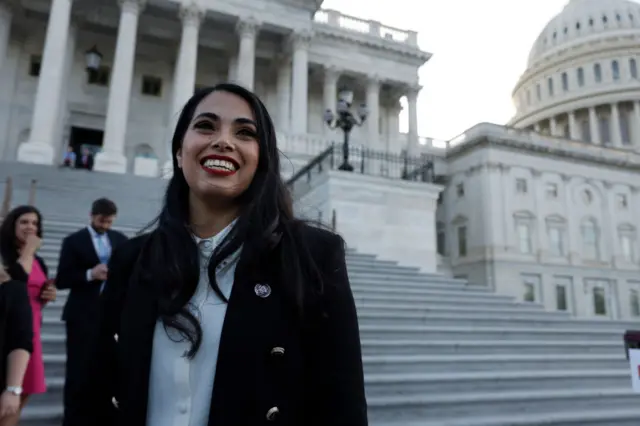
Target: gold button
column 114, row 401
column 277, row 351
column 272, row 413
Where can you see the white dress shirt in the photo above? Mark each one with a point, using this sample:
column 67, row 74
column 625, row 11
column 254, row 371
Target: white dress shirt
column 179, row 388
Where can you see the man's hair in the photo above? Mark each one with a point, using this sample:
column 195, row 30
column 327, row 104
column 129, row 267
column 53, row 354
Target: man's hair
column 103, row 207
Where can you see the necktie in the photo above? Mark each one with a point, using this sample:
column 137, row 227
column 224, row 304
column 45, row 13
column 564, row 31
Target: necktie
column 104, row 253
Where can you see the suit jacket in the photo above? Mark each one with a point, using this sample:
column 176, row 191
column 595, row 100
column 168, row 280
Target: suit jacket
column 77, row 255
column 17, row 272
column 317, row 381
column 16, row 322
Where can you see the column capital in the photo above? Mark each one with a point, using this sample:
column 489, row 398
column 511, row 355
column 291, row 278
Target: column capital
column 248, row 27
column 301, row 39
column 332, row 71
column 413, row 90
column 132, row 6
column 191, row 14
column 374, row 80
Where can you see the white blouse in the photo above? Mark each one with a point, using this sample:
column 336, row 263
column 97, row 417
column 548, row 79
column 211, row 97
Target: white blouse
column 179, row 388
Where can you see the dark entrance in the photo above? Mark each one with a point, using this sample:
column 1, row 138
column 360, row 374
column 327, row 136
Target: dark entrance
column 89, row 138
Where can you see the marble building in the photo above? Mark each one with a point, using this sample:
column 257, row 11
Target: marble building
column 154, row 54
column 546, row 208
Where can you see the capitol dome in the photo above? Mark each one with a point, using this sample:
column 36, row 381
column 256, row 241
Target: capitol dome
column 582, row 78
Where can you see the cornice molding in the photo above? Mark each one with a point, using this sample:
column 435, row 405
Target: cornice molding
column 325, row 31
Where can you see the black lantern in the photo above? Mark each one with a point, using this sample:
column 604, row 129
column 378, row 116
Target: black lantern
column 345, row 120
column 93, row 58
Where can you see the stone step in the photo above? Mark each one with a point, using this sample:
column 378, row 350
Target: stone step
column 487, row 312
column 470, row 319
column 602, row 416
column 40, row 414
column 416, row 364
column 479, row 346
column 450, row 300
column 53, row 343
column 55, row 364
column 54, row 393
column 375, row 277
column 405, row 290
column 445, row 406
column 508, row 332
column 416, row 383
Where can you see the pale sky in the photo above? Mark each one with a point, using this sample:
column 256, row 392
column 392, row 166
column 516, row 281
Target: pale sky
column 479, row 47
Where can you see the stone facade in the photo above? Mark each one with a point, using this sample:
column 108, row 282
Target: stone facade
column 293, row 55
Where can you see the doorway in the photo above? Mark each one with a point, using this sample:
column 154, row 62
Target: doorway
column 89, row 138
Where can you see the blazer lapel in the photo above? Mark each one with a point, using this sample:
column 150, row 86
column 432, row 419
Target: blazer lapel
column 87, row 241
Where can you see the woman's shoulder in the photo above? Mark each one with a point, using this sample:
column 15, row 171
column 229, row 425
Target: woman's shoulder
column 321, row 242
column 128, row 251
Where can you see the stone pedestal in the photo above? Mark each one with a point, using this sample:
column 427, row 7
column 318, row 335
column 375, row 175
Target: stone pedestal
column 111, row 162
column 166, row 172
column 145, row 167
column 393, row 219
column 36, row 153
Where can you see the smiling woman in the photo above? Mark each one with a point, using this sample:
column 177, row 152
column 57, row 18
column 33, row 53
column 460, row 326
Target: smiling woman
column 231, row 311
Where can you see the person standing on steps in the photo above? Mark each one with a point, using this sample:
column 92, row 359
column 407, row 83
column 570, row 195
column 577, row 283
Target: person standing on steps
column 82, row 269
column 20, row 239
column 231, row 312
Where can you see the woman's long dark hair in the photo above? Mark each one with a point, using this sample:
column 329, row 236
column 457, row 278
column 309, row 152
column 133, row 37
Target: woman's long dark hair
column 8, row 242
column 169, row 258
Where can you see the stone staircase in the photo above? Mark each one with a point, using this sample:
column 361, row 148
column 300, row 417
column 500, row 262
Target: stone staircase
column 438, row 352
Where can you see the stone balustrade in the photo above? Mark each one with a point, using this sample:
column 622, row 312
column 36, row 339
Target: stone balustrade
column 333, row 18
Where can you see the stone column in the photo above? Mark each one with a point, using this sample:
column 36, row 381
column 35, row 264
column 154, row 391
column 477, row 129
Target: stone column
column 300, row 85
column 373, row 105
column 553, row 126
column 594, row 128
column 412, row 137
column 284, row 95
column 247, row 31
column 636, row 127
column 232, row 73
column 184, row 76
column 112, row 158
column 573, row 126
column 40, row 147
column 330, row 92
column 5, row 31
column 616, row 134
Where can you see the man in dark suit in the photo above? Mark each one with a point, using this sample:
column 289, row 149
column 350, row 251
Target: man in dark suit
column 82, row 269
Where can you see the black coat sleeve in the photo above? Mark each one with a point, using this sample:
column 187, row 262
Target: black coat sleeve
column 335, row 353
column 69, row 273
column 100, row 385
column 19, row 318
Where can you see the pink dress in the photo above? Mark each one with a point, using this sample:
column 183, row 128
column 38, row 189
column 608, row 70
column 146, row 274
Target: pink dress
column 34, row 376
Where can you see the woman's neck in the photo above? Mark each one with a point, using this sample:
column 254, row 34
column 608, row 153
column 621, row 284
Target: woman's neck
column 207, row 220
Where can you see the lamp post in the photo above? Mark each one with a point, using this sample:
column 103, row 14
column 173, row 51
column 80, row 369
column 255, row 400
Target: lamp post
column 345, row 120
column 93, row 58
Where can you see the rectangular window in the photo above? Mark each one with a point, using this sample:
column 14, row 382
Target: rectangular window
column 462, row 241
column 532, row 288
column 622, row 202
column 538, row 92
column 626, row 246
column 524, row 238
column 460, row 190
column 441, row 242
column 551, row 190
column 99, row 77
column 550, row 84
column 521, row 186
column 151, row 86
column 605, row 131
column 555, row 241
column 599, row 301
column 634, row 300
column 35, row 62
column 561, row 298
column 580, row 77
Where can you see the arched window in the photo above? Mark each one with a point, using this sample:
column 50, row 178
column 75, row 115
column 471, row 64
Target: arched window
column 565, row 82
column 615, row 70
column 550, row 85
column 597, row 73
column 580, row 77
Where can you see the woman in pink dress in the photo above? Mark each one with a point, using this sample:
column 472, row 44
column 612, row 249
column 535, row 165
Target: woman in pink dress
column 20, row 238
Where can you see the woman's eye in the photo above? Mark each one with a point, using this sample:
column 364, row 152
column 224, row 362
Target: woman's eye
column 247, row 133
column 203, row 125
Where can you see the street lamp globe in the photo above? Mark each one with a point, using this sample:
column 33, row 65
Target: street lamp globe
column 93, row 59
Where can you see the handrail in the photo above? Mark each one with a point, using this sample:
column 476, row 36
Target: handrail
column 333, row 220
column 32, row 192
column 8, row 193
column 317, row 160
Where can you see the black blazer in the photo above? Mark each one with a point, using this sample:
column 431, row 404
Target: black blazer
column 16, row 322
column 17, row 272
column 317, row 381
column 78, row 255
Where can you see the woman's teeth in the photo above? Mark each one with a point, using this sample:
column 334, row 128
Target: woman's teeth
column 220, row 165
